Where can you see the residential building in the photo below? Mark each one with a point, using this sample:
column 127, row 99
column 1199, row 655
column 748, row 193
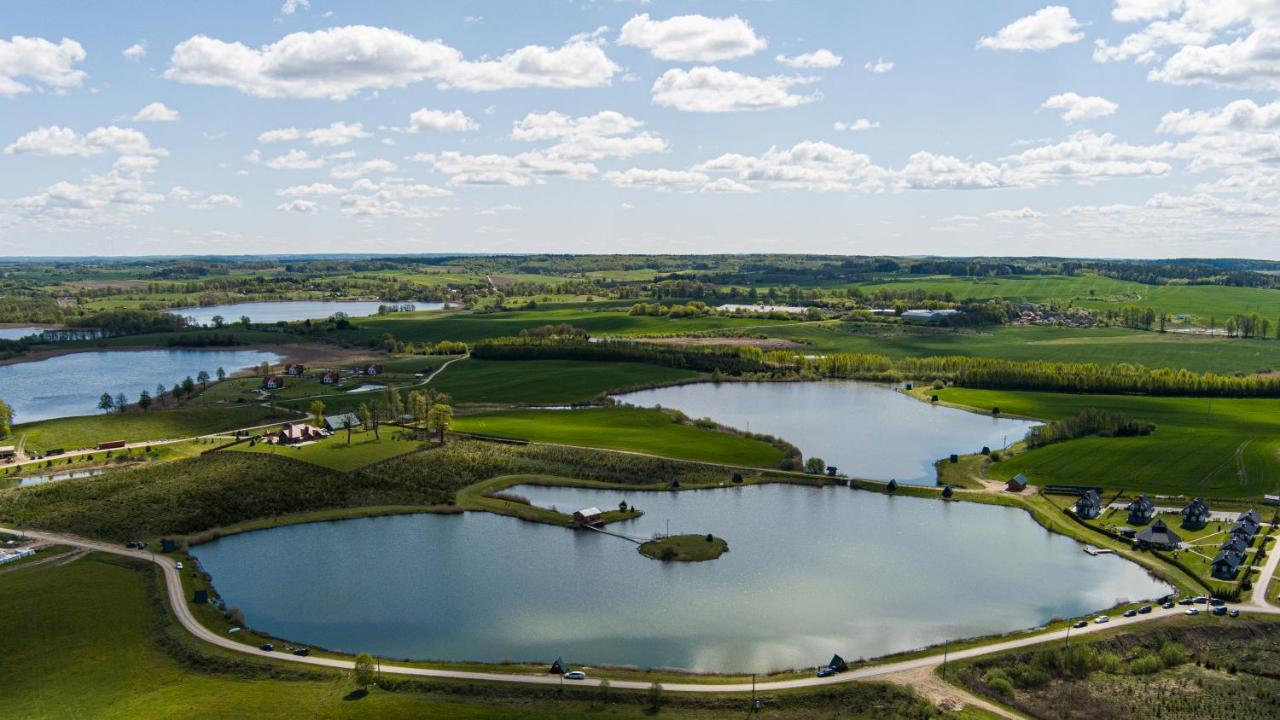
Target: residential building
column 1141, row 510
column 1195, row 515
column 294, row 370
column 331, row 378
column 273, row 382
column 1227, row 564
column 334, row 423
column 1017, row 483
column 1158, row 536
column 588, row 516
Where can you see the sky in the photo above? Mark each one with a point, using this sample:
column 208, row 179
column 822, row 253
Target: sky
column 1139, row 128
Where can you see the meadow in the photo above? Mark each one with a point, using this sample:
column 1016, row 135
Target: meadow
column 335, row 453
column 116, row 654
column 546, row 382
column 1085, row 345
column 1096, row 292
column 85, row 431
column 1214, row 448
column 633, row 429
column 468, row 327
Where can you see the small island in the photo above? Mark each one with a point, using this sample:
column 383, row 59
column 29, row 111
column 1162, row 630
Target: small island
column 685, row 548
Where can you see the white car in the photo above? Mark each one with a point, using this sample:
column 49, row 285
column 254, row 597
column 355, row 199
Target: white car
column 575, row 675
column 178, row 565
column 1101, row 619
column 1193, row 611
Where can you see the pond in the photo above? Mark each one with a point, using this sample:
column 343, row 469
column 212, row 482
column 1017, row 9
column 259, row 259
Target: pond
column 54, row 477
column 867, row 430
column 289, row 310
column 71, row 384
column 810, row 572
column 17, row 333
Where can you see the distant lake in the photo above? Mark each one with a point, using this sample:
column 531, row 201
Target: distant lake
column 289, row 310
column 17, row 333
column 810, row 572
column 867, row 430
column 71, row 384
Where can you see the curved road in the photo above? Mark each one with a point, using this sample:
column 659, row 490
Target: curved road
column 182, row 611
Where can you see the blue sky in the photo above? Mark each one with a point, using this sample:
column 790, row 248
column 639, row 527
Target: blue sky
column 1131, row 129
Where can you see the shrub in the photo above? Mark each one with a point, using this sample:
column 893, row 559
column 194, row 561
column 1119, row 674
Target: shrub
column 1001, row 687
column 1148, row 664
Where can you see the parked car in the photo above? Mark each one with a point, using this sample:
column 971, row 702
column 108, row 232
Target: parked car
column 826, row 671
column 1220, row 610
column 302, row 652
column 1187, row 601
column 1193, row 611
column 1202, row 599
column 1234, row 612
column 575, row 675
column 1168, row 605
column 1101, row 619
column 266, row 647
column 1130, row 613
column 132, row 544
column 1145, row 609
column 178, row 565
column 1080, row 623
column 1217, row 602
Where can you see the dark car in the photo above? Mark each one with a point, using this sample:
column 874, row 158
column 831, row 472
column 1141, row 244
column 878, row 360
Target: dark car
column 1145, row 609
column 1202, row 599
column 132, row 544
column 826, row 672
column 266, row 647
column 1217, row 602
column 1168, row 605
column 1187, row 601
column 1220, row 610
column 302, row 652
column 1080, row 624
column 1130, row 612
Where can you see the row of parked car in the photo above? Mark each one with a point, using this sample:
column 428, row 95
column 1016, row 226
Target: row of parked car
column 1219, row 607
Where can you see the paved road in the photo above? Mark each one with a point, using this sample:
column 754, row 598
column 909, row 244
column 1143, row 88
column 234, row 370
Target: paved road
column 178, row 602
column 1261, row 587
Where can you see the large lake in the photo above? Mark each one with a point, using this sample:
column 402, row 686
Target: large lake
column 71, row 384
column 867, row 430
column 810, row 572
column 17, row 333
column 289, row 310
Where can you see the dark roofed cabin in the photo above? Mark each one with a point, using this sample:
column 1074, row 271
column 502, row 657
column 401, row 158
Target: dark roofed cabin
column 588, row 516
column 1227, row 564
column 1089, row 506
column 1158, row 536
column 1017, row 483
column 1195, row 515
column 1141, row 510
column 838, row 664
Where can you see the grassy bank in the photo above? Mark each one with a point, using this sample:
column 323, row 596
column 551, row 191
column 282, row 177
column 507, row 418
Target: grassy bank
column 685, row 548
column 633, row 429
column 336, row 453
column 87, row 431
column 548, row 382
column 1213, row 448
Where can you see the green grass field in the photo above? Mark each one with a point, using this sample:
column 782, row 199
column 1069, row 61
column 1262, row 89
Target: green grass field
column 547, row 382
column 88, row 430
column 1214, row 448
column 1101, row 293
column 639, row 430
column 469, row 327
column 334, row 453
column 93, row 639
column 1096, row 345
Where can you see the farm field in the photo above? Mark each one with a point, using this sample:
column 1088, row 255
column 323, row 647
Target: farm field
column 1214, row 448
column 547, row 381
column 1101, row 293
column 646, row 431
column 334, row 453
column 72, row 433
column 469, row 327
column 1092, row 345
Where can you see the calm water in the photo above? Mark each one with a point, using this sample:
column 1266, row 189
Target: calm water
column 867, row 430
column 810, row 572
column 54, row 477
column 17, row 333
column 71, row 384
column 270, row 312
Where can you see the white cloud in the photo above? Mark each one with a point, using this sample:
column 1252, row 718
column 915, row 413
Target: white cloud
column 312, row 189
column 1015, row 215
column 351, row 171
column 156, row 112
column 856, row 126
column 135, row 164
column 1076, row 107
column 216, row 200
column 509, row 170
column 1238, row 116
column 692, row 38
column 710, row 89
column 879, row 65
column 60, row 141
column 1247, row 62
column 808, row 165
column 335, row 63
column 292, row 6
column 606, row 134
column 41, row 61
column 96, row 200
column 135, row 52
column 295, row 159
column 726, row 185
column 440, row 121
column 303, row 207
column 821, row 58
column 658, row 179
column 1087, row 155
column 335, row 135
column 1134, row 10
column 1045, row 29
column 507, row 207
column 928, row 171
